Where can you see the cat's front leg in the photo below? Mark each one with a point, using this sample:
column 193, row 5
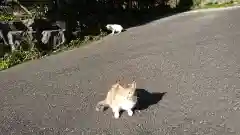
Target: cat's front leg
column 116, row 112
column 130, row 112
column 113, row 31
column 118, row 32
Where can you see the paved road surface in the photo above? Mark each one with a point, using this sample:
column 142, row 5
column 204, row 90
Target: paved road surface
column 195, row 59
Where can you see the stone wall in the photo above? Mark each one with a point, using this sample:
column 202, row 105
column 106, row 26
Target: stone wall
column 13, row 33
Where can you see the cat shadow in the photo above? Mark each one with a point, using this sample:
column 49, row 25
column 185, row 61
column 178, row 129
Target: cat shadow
column 146, row 99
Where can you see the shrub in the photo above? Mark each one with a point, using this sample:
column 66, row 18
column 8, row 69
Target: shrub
column 17, row 57
column 6, row 17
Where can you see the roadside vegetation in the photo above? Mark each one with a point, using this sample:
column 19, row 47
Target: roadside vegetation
column 134, row 13
column 217, row 4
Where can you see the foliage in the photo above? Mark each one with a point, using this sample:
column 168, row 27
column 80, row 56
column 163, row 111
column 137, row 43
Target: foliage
column 80, row 42
column 17, row 57
column 6, row 17
column 39, row 11
column 21, row 55
column 216, row 4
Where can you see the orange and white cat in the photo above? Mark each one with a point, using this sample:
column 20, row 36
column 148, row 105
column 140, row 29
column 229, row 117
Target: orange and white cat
column 120, row 98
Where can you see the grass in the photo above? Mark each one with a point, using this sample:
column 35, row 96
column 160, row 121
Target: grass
column 20, row 56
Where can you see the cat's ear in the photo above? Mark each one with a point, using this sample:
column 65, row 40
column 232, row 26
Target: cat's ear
column 118, row 82
column 115, row 86
column 133, row 85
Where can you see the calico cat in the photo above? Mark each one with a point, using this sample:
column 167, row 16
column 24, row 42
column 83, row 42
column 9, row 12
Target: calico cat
column 119, row 98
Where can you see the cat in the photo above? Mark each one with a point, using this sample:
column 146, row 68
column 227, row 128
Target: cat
column 119, row 98
column 115, row 28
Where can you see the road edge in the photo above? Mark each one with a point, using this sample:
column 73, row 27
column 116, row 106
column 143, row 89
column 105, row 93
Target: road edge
column 195, row 11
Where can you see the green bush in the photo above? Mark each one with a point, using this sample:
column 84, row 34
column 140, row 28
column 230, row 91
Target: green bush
column 78, row 42
column 23, row 55
column 214, row 4
column 17, row 57
column 6, row 17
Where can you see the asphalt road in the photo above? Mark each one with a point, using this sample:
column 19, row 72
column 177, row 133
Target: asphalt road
column 194, row 58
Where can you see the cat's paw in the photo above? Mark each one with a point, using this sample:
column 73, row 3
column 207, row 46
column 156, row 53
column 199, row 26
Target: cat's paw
column 99, row 108
column 116, row 115
column 130, row 112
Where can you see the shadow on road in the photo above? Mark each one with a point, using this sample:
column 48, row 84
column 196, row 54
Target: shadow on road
column 146, row 99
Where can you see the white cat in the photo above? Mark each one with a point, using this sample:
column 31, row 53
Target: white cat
column 115, row 28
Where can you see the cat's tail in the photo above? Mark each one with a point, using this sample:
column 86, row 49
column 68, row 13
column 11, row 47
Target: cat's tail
column 101, row 105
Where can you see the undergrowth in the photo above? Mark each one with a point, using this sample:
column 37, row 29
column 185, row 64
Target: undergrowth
column 217, row 5
column 6, row 17
column 20, row 56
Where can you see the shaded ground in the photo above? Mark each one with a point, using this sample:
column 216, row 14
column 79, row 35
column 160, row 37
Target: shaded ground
column 193, row 58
